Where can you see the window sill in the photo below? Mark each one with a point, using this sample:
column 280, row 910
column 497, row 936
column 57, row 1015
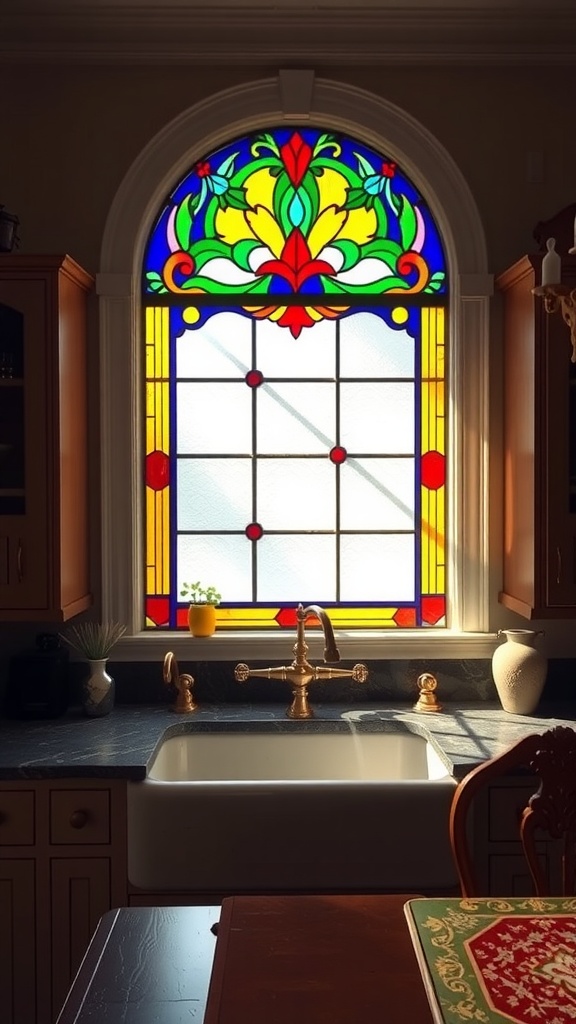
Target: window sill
column 354, row 646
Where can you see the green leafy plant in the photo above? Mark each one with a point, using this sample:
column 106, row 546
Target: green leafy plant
column 197, row 594
column 94, row 640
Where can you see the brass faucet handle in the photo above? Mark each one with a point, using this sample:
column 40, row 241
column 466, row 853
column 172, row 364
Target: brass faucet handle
column 427, row 701
column 185, row 702
column 183, row 684
column 241, row 672
column 360, row 673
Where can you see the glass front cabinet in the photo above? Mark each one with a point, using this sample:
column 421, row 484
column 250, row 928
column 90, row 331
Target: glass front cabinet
column 44, row 571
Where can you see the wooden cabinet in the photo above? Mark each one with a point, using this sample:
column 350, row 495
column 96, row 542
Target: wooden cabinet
column 62, row 866
column 18, row 940
column 539, row 451
column 499, row 863
column 43, row 438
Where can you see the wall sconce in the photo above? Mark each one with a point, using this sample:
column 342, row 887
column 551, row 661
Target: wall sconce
column 558, row 296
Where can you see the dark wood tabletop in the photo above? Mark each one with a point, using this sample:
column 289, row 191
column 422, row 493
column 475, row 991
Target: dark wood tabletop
column 145, row 965
column 277, row 960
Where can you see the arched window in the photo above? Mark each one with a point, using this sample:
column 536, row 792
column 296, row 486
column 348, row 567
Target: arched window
column 294, row 296
column 439, row 509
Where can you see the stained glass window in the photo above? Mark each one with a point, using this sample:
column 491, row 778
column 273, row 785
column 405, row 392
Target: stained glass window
column 295, row 303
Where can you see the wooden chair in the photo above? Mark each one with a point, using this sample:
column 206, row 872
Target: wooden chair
column 551, row 757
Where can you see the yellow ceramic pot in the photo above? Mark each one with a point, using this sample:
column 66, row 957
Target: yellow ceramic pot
column 202, row 619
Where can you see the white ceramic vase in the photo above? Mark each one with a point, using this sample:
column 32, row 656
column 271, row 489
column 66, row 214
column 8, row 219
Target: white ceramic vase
column 98, row 690
column 519, row 671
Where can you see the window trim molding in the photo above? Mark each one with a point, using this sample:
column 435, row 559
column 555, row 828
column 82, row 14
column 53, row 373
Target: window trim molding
column 293, row 97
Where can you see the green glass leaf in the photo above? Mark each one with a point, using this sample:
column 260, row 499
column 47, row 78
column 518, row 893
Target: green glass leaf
column 155, row 283
column 183, row 223
column 326, row 141
column 351, row 252
column 385, row 249
column 153, row 275
column 264, row 141
column 408, row 222
column 209, row 249
column 364, row 166
column 226, row 169
column 356, row 199
column 236, row 198
column 242, row 251
column 436, row 281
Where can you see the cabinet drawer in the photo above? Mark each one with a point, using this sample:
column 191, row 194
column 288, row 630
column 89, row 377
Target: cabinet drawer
column 79, row 816
column 16, row 818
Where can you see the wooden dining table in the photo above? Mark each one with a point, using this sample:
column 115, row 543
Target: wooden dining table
column 301, row 959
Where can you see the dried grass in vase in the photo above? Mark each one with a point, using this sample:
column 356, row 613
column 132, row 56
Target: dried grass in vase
column 94, row 640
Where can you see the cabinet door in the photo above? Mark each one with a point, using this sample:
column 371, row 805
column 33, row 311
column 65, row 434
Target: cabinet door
column 81, row 894
column 24, row 495
column 539, row 449
column 17, row 941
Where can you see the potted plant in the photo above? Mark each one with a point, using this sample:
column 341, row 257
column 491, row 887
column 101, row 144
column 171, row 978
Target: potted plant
column 202, row 610
column 95, row 640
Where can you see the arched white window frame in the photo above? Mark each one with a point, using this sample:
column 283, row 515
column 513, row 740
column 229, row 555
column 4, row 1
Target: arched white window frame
column 295, row 97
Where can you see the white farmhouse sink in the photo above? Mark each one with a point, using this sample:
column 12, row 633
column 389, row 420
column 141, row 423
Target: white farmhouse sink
column 291, row 811
column 282, row 757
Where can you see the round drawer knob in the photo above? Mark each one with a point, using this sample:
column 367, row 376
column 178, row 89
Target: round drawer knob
column 78, row 819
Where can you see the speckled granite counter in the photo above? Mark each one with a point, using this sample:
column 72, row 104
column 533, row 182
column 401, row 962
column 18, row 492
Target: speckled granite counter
column 122, row 744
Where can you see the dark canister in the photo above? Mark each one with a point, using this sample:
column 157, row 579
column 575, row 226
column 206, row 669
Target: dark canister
column 38, row 680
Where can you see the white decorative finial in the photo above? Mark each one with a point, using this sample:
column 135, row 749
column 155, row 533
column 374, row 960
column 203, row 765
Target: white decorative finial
column 551, row 264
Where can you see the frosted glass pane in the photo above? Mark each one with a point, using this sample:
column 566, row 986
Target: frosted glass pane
column 369, row 348
column 213, row 418
column 296, row 494
column 222, row 562
column 377, row 568
column 313, row 354
column 296, row 418
column 221, row 348
column 377, row 418
column 377, row 494
column 214, row 494
column 297, row 569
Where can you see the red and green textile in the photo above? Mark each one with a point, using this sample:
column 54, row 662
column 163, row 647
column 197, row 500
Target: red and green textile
column 495, row 960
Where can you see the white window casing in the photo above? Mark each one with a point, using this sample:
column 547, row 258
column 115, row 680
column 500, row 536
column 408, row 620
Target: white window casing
column 295, row 97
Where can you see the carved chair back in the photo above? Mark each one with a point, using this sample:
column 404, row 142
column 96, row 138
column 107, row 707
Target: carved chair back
column 550, row 811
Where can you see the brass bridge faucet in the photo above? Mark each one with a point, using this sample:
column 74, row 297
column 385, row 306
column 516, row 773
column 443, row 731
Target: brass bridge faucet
column 300, row 673
column 184, row 682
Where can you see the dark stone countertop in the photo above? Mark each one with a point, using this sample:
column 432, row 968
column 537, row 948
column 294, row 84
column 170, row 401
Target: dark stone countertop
column 122, row 744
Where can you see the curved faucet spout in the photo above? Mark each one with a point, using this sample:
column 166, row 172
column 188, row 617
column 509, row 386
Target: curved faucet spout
column 331, row 652
column 170, row 672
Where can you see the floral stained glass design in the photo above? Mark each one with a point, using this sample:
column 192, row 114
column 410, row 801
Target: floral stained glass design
column 295, row 295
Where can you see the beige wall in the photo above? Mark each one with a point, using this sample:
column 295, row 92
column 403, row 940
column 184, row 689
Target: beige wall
column 73, row 132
